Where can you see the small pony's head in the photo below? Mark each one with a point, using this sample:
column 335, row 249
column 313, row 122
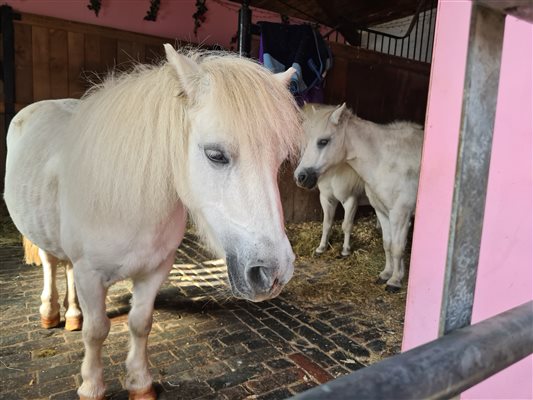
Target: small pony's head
column 242, row 122
column 324, row 147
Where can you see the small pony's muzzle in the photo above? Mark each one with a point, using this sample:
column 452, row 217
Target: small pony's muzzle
column 306, row 178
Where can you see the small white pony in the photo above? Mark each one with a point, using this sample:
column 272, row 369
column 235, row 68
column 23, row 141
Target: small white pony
column 386, row 157
column 339, row 183
column 49, row 309
column 105, row 181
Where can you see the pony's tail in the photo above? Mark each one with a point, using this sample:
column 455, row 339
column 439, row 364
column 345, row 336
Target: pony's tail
column 31, row 252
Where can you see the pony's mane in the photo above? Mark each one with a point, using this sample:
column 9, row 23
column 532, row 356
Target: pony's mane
column 129, row 133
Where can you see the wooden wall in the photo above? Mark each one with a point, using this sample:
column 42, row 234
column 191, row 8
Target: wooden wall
column 56, row 58
column 378, row 87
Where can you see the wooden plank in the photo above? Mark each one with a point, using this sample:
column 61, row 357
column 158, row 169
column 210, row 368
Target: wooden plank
column 78, row 27
column 335, row 87
column 41, row 63
column 138, row 51
column 23, row 64
column 108, row 53
column 286, row 190
column 58, row 64
column 370, row 57
column 76, row 56
column 153, row 54
column 92, row 54
column 124, row 54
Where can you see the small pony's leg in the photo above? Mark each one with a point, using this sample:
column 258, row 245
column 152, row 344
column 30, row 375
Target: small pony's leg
column 73, row 316
column 49, row 308
column 91, row 294
column 329, row 204
column 350, row 208
column 399, row 221
column 138, row 378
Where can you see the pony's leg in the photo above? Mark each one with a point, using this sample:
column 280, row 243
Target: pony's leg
column 73, row 316
column 49, row 308
column 138, row 378
column 91, row 294
column 399, row 222
column 386, row 234
column 350, row 208
column 329, row 204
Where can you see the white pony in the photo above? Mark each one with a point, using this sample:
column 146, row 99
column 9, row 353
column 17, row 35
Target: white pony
column 49, row 309
column 105, row 181
column 386, row 157
column 339, row 183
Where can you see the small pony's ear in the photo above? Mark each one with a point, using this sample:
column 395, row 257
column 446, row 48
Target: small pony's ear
column 285, row 77
column 336, row 116
column 313, row 108
column 184, row 66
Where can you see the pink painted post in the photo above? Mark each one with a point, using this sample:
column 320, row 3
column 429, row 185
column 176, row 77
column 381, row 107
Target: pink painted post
column 430, row 241
column 505, row 267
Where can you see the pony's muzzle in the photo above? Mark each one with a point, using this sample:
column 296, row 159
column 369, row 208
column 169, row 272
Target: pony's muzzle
column 307, row 178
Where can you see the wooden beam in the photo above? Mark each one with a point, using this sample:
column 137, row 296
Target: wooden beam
column 521, row 9
column 473, row 161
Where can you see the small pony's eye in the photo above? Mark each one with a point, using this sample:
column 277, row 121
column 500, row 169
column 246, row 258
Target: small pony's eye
column 216, row 156
column 322, row 143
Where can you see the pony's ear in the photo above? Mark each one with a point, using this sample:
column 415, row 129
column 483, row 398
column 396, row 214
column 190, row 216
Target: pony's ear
column 313, row 108
column 285, row 77
column 336, row 116
column 184, row 66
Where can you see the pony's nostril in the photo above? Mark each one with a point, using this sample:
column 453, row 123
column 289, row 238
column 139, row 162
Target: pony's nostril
column 260, row 277
column 302, row 177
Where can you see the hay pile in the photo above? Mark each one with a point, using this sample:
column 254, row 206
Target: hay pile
column 330, row 278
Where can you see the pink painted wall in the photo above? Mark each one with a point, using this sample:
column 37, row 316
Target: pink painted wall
column 505, row 274
column 174, row 18
column 505, row 271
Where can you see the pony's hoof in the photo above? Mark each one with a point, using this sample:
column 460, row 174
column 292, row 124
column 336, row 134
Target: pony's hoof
column 73, row 323
column 345, row 254
column 380, row 281
column 143, row 394
column 48, row 323
column 319, row 252
column 392, row 289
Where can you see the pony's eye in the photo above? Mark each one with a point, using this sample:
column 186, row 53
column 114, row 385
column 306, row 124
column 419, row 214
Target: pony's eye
column 322, row 143
column 216, row 156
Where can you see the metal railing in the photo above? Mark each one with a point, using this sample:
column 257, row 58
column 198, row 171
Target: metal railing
column 442, row 368
column 410, row 37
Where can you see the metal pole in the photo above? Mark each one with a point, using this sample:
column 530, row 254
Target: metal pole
column 472, row 171
column 440, row 369
column 245, row 29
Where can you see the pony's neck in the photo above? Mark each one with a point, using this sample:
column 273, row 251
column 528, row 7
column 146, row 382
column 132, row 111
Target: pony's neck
column 362, row 149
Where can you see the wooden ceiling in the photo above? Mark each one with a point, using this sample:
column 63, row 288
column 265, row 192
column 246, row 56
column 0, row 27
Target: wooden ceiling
column 335, row 13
